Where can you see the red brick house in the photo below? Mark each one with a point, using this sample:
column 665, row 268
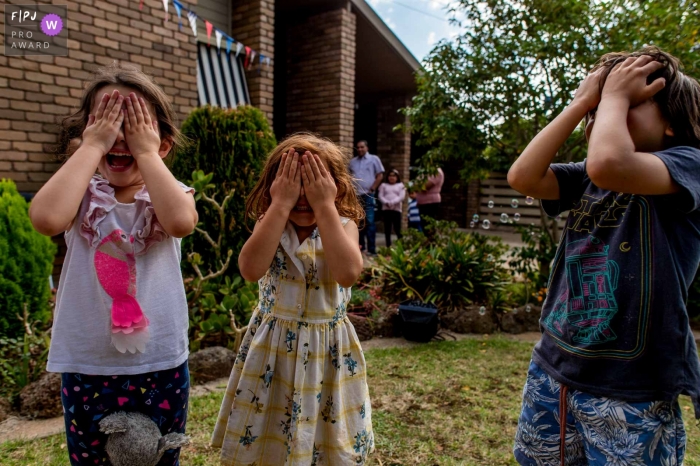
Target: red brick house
column 334, row 68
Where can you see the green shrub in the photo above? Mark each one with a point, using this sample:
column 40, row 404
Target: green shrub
column 448, row 267
column 532, row 260
column 232, row 145
column 219, row 305
column 26, row 262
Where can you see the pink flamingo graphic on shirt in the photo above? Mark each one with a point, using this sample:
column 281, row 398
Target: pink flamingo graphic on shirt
column 116, row 270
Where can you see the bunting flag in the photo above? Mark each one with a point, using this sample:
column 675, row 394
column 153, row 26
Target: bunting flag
column 209, row 28
column 219, row 35
column 252, row 58
column 192, row 17
column 178, row 9
column 193, row 22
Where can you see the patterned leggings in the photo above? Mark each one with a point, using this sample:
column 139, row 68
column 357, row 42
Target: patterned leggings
column 87, row 399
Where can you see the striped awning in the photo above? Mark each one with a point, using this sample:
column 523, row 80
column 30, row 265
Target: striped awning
column 220, row 78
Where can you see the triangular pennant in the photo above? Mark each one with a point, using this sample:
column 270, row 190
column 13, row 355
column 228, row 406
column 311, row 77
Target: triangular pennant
column 239, row 47
column 141, row 5
column 178, row 9
column 252, row 59
column 192, row 17
column 229, row 42
column 219, row 36
column 246, row 62
column 267, row 61
column 209, row 29
column 165, row 6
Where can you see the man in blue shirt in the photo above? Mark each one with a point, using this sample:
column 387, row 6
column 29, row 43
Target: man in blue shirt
column 368, row 172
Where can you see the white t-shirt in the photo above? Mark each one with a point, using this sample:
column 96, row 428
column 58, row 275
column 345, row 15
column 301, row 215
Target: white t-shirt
column 81, row 339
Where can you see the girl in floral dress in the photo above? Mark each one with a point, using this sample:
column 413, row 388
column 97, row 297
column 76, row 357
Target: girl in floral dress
column 298, row 393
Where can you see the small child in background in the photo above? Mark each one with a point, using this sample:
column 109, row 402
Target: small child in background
column 414, row 212
column 392, row 193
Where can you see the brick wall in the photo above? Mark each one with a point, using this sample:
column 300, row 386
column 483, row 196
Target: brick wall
column 37, row 91
column 253, row 24
column 321, row 76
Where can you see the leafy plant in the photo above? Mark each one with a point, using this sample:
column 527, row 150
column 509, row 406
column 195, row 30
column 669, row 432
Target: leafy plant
column 482, row 96
column 453, row 268
column 25, row 265
column 217, row 300
column 23, row 359
column 532, row 260
column 230, row 145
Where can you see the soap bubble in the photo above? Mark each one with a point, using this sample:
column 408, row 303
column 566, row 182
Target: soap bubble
column 472, row 224
column 491, row 204
column 516, row 217
column 475, row 217
column 482, row 310
column 514, row 203
column 486, row 224
column 529, row 200
column 504, row 218
column 528, row 308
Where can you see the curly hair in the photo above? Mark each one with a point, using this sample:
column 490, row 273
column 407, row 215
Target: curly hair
column 72, row 126
column 678, row 101
column 346, row 200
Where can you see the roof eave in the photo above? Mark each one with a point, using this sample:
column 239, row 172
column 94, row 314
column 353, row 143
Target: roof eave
column 386, row 32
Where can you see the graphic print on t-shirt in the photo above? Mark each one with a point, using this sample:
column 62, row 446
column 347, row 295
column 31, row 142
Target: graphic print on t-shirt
column 601, row 278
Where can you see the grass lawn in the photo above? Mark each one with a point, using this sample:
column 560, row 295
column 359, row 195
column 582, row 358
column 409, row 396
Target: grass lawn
column 447, row 403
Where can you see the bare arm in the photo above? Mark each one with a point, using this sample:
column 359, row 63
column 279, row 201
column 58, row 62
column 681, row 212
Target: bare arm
column 175, row 208
column 339, row 242
column 613, row 162
column 56, row 204
column 259, row 251
column 377, row 181
column 530, row 174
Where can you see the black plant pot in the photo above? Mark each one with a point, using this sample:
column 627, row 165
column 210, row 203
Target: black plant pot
column 419, row 320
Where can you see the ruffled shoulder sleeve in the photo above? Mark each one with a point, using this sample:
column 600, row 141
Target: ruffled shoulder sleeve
column 152, row 231
column 101, row 200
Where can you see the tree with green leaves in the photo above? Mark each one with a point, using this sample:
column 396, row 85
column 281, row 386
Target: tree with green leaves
column 483, row 96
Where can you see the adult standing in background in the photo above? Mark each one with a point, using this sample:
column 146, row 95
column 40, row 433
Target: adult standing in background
column 368, row 171
column 429, row 200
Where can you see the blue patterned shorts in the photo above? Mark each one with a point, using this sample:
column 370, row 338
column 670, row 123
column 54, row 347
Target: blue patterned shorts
column 598, row 430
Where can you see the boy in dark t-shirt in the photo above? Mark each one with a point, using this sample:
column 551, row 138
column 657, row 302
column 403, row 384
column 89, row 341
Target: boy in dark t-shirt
column 616, row 347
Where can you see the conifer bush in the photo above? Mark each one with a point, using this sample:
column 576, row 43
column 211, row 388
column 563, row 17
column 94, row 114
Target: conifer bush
column 232, row 144
column 26, row 262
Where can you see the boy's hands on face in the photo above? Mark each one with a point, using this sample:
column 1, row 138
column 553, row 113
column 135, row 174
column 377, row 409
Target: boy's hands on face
column 588, row 92
column 286, row 187
column 319, row 186
column 628, row 80
column 141, row 132
column 103, row 126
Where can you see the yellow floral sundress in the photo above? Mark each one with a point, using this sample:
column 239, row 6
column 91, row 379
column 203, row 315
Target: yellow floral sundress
column 298, row 392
